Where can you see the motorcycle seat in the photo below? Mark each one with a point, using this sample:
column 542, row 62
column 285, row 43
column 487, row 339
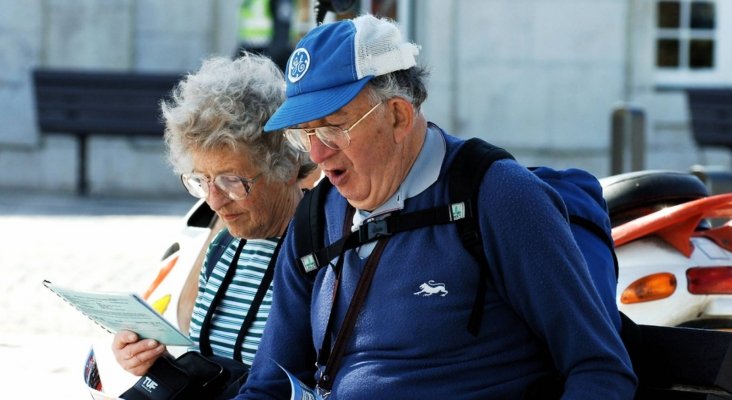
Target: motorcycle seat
column 635, row 194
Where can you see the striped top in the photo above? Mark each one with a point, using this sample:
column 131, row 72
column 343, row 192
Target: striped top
column 233, row 308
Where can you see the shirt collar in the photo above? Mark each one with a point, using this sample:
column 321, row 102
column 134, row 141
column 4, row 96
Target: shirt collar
column 423, row 174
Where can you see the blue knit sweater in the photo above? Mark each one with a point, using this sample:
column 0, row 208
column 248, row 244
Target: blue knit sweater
column 542, row 313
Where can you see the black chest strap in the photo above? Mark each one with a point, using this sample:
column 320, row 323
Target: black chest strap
column 464, row 178
column 391, row 224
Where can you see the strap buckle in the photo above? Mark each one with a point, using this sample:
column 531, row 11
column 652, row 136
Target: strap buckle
column 458, row 211
column 373, row 230
column 309, row 263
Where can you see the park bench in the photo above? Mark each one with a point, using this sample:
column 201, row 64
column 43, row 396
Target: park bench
column 710, row 114
column 85, row 103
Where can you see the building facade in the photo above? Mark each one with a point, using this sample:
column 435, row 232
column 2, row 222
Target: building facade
column 539, row 78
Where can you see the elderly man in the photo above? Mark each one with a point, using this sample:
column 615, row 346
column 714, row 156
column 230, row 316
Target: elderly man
column 387, row 319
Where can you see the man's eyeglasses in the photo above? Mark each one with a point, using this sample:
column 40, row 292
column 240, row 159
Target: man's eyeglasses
column 332, row 136
column 235, row 187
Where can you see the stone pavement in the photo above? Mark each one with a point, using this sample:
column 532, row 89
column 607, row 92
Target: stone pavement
column 87, row 243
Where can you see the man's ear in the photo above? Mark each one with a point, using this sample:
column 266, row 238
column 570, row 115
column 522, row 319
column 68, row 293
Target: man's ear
column 403, row 116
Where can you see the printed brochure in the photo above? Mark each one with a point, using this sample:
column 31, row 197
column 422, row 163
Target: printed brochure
column 123, row 311
column 93, row 381
column 300, row 391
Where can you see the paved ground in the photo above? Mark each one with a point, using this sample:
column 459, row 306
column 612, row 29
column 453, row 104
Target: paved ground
column 88, row 243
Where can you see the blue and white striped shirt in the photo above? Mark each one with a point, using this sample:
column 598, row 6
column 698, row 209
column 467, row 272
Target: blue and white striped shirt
column 233, row 308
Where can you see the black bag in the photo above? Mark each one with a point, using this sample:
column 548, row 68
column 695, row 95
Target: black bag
column 203, row 375
column 190, row 376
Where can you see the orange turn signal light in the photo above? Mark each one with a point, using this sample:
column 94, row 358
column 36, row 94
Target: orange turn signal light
column 652, row 287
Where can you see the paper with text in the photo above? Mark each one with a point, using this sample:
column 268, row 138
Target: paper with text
column 123, row 311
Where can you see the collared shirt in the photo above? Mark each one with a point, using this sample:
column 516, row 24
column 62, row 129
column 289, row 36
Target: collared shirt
column 423, row 174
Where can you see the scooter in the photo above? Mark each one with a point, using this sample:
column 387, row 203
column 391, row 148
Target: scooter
column 674, row 248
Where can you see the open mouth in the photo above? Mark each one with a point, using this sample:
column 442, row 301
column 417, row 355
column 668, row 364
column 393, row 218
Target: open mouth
column 336, row 172
column 335, row 175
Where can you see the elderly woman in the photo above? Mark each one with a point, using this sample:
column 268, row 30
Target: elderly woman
column 251, row 180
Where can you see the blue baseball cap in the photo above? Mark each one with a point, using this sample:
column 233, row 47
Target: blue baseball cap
column 333, row 63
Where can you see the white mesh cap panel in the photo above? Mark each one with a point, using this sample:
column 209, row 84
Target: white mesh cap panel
column 380, row 48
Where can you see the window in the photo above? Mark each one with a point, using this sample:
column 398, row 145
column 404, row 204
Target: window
column 685, row 34
column 689, row 37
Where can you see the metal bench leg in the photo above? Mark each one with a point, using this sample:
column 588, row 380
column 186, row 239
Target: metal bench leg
column 81, row 182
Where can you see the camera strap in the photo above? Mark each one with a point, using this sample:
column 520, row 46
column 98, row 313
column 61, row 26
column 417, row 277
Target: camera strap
column 332, row 357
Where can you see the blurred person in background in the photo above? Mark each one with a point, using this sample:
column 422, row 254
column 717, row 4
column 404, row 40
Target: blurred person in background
column 263, row 27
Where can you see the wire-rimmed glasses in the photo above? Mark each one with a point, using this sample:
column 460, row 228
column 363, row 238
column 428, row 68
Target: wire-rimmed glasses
column 332, row 136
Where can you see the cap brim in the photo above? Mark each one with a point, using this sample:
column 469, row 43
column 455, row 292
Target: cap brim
column 314, row 105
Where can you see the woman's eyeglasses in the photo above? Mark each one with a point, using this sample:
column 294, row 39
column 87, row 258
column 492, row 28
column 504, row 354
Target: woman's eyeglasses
column 235, row 187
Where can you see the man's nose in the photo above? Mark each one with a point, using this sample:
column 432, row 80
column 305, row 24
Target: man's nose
column 319, row 152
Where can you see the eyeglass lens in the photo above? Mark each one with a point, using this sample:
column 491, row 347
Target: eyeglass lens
column 332, row 136
column 235, row 187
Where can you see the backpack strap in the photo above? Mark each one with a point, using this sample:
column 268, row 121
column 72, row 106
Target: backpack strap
column 465, row 175
column 309, row 221
column 310, row 259
column 204, row 342
column 258, row 299
column 216, row 249
column 600, row 233
column 464, row 178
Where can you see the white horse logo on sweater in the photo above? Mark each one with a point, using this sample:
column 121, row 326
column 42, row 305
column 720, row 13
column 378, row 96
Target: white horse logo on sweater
column 431, row 287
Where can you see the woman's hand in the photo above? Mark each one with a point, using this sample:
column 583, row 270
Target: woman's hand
column 134, row 355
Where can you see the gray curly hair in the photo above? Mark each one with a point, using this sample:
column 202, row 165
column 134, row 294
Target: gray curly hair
column 226, row 104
